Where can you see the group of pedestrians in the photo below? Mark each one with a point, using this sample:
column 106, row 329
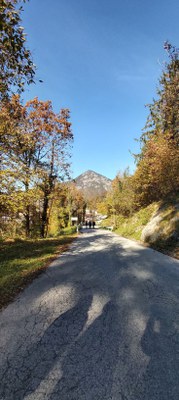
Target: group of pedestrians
column 90, row 224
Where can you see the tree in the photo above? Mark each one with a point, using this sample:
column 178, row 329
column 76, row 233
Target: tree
column 67, row 202
column 34, row 144
column 75, row 202
column 23, row 141
column 120, row 199
column 158, row 162
column 16, row 65
column 164, row 112
column 156, row 176
column 55, row 165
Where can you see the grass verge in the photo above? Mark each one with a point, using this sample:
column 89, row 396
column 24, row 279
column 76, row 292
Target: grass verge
column 22, row 260
column 166, row 230
column 132, row 227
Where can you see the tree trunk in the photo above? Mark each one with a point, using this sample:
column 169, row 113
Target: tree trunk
column 27, row 222
column 47, row 191
column 27, row 213
column 45, row 215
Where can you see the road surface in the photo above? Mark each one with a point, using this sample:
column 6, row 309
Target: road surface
column 101, row 323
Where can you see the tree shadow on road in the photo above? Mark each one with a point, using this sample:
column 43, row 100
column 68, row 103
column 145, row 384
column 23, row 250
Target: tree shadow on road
column 30, row 366
column 91, row 361
column 87, row 357
column 160, row 342
column 89, row 366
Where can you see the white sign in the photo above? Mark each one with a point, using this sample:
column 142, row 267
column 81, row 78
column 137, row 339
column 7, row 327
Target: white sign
column 74, row 218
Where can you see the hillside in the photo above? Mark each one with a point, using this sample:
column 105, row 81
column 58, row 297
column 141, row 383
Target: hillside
column 92, row 184
column 156, row 225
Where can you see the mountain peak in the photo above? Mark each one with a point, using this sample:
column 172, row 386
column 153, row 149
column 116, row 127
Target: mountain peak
column 93, row 184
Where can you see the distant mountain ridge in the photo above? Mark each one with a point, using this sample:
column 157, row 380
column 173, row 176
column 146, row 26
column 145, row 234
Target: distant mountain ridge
column 92, row 184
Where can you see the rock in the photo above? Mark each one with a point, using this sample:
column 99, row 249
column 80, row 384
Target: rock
column 163, row 225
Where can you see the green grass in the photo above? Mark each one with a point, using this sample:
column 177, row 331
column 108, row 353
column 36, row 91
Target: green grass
column 132, row 227
column 68, row 230
column 167, row 228
column 22, row 260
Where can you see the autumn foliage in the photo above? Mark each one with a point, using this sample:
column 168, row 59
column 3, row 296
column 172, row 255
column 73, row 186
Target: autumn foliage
column 157, row 165
column 16, row 65
column 35, row 145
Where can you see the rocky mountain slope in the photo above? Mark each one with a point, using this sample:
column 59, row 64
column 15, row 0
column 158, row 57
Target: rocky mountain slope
column 92, row 184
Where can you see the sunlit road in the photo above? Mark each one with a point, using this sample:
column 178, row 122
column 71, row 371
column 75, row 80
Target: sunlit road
column 101, row 323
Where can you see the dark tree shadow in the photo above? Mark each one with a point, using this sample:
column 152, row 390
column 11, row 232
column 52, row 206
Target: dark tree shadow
column 91, row 358
column 160, row 342
column 89, row 366
column 37, row 361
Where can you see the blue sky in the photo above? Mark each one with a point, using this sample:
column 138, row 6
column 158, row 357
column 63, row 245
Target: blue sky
column 102, row 60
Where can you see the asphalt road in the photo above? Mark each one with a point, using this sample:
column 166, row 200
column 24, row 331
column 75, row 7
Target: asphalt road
column 101, row 323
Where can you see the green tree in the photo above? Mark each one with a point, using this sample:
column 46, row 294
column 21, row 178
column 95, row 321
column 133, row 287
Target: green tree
column 67, row 201
column 120, row 199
